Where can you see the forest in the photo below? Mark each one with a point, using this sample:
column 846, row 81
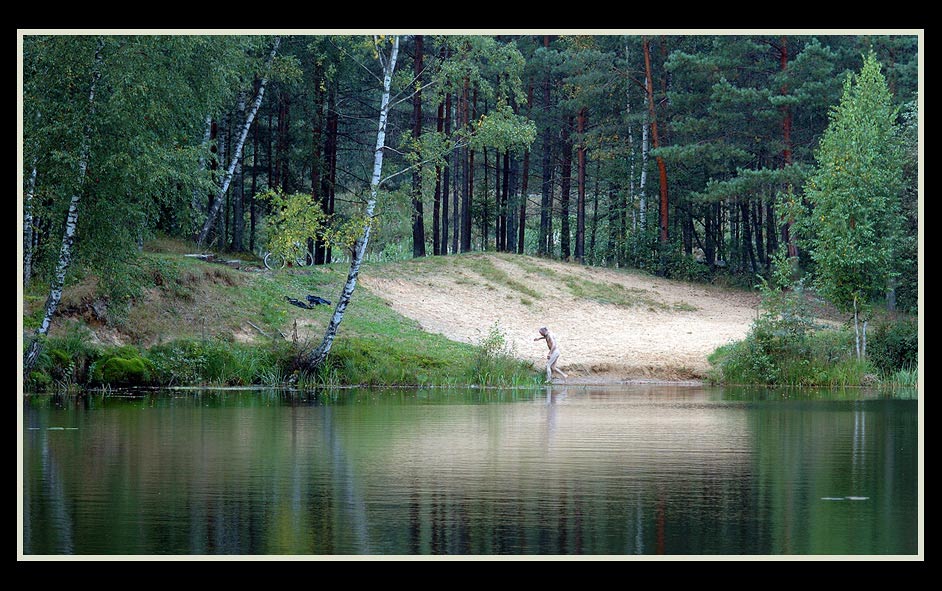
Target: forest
column 691, row 157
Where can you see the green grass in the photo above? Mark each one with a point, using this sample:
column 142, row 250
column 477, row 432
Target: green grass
column 614, row 294
column 486, row 269
column 533, row 268
column 183, row 330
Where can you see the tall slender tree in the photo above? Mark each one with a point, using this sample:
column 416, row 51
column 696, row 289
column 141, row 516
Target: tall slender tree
column 317, row 357
column 71, row 222
column 244, row 132
column 418, row 217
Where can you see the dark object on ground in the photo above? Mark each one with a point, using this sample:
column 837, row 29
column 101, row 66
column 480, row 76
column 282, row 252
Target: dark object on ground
column 315, row 300
column 298, row 303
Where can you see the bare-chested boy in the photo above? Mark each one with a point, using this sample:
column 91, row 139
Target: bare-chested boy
column 553, row 356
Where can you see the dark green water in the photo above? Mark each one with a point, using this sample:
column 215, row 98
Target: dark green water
column 633, row 470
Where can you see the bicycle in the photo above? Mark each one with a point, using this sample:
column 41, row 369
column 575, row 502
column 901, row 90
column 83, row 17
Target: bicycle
column 302, row 258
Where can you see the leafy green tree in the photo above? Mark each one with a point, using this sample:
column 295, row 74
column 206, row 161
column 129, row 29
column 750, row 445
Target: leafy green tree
column 852, row 226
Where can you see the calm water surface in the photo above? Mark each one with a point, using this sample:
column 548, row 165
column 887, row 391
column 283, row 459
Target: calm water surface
column 628, row 470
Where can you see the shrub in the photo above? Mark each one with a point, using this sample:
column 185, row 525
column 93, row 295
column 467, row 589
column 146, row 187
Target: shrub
column 219, row 362
column 495, row 361
column 120, row 371
column 679, row 266
column 894, row 346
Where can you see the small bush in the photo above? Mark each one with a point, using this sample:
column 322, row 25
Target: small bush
column 65, row 358
column 119, row 371
column 495, row 361
column 679, row 266
column 39, row 380
column 894, row 346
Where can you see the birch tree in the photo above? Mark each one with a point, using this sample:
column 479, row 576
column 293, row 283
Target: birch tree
column 388, row 64
column 237, row 155
column 853, row 226
column 28, row 226
column 71, row 222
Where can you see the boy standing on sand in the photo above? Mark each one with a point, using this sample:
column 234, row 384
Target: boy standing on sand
column 553, row 356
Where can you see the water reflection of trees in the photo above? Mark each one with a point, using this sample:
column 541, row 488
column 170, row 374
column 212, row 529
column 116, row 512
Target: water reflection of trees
column 561, row 472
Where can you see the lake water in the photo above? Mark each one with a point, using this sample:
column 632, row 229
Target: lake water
column 578, row 470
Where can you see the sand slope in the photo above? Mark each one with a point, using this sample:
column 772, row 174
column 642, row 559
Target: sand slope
column 659, row 329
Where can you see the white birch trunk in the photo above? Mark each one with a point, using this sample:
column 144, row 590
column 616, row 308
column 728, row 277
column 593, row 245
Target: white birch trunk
column 359, row 250
column 71, row 222
column 28, row 226
column 631, row 155
column 227, row 178
column 202, row 165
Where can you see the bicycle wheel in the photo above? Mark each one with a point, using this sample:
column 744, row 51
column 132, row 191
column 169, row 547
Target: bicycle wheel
column 304, row 261
column 273, row 261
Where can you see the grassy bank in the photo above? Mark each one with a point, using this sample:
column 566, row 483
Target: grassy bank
column 825, row 358
column 193, row 322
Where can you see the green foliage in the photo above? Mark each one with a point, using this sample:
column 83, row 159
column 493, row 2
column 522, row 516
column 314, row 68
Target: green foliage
column 894, row 346
column 852, row 225
column 123, row 371
column 494, row 361
column 296, row 217
column 821, row 360
column 64, row 359
column 218, row 362
column 783, row 346
column 504, row 130
column 678, row 265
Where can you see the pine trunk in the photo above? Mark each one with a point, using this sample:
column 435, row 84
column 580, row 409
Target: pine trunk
column 524, row 181
column 468, row 196
column 522, row 217
column 254, row 187
column 211, row 218
column 757, row 233
column 771, row 241
column 546, row 199
column 318, row 356
column 484, row 219
column 224, row 138
column 505, row 208
column 662, row 171
column 565, row 188
column 580, row 200
column 437, row 199
column 709, row 250
column 643, row 181
column 329, row 187
column 614, row 240
column 787, row 149
column 496, row 202
column 279, row 142
column 285, row 144
column 418, row 216
column 71, row 222
column 271, row 181
column 195, row 203
column 446, row 177
column 318, row 195
column 595, row 210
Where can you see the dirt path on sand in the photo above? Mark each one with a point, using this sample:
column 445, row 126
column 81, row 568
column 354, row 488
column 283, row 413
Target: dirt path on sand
column 655, row 329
